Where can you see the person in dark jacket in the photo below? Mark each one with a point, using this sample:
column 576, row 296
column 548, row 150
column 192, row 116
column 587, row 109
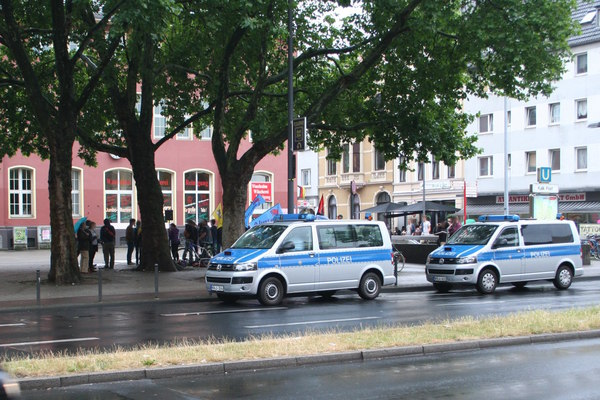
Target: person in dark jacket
column 83, row 243
column 130, row 239
column 107, row 238
column 93, row 244
column 174, row 240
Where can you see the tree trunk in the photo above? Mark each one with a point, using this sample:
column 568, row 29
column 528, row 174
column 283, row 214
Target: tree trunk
column 235, row 202
column 63, row 259
column 155, row 243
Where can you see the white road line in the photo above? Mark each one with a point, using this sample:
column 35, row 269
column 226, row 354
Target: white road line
column 470, row 303
column 241, row 310
column 7, row 325
column 324, row 321
column 48, row 342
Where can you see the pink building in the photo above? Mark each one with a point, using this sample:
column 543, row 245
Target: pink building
column 186, row 170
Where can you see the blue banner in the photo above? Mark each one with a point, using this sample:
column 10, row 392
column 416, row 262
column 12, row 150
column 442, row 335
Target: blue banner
column 267, row 216
column 258, row 200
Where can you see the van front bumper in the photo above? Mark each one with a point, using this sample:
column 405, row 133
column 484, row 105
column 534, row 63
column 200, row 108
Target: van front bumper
column 465, row 273
column 240, row 283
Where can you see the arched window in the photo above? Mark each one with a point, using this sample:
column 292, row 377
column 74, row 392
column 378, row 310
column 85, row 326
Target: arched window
column 20, row 192
column 197, row 195
column 355, row 206
column 118, row 195
column 165, row 179
column 262, row 183
column 382, row 198
column 332, row 212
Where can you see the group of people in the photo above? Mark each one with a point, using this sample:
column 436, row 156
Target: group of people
column 88, row 241
column 443, row 229
column 195, row 235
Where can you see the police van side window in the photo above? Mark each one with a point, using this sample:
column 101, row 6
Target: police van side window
column 301, row 238
column 508, row 238
column 368, row 236
column 536, row 234
column 336, row 237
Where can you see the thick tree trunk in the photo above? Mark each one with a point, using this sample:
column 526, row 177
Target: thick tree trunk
column 235, row 202
column 155, row 242
column 63, row 260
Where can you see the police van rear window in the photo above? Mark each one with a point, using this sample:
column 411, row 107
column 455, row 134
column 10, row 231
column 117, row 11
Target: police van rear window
column 536, row 234
column 349, row 236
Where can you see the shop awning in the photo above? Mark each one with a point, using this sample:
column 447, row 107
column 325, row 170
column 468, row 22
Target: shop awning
column 563, row 207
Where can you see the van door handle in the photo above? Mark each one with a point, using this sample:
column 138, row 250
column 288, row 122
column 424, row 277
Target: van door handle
column 311, row 254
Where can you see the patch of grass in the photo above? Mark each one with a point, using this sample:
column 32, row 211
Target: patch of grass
column 187, row 351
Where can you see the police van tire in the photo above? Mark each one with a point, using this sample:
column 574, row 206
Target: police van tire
column 442, row 287
column 227, row 298
column 564, row 277
column 270, row 292
column 370, row 285
column 487, row 281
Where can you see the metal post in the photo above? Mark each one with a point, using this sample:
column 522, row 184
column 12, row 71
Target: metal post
column 290, row 153
column 505, row 156
column 156, row 281
column 37, row 286
column 99, row 285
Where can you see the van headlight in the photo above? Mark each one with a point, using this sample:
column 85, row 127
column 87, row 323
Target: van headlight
column 249, row 266
column 428, row 259
column 467, row 260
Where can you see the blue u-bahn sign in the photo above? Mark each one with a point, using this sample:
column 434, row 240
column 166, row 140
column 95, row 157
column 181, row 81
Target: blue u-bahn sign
column 544, row 175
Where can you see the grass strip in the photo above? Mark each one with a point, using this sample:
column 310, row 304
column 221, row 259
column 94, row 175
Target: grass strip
column 189, row 351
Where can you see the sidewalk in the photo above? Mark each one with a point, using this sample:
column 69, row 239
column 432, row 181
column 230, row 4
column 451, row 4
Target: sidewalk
column 18, row 282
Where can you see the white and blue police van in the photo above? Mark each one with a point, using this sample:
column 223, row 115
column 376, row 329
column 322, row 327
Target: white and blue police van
column 300, row 254
column 507, row 249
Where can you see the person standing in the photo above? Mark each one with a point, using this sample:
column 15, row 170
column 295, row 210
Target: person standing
column 214, row 235
column 454, row 226
column 426, row 225
column 137, row 235
column 174, row 240
column 130, row 235
column 191, row 238
column 93, row 245
column 83, row 243
column 107, row 237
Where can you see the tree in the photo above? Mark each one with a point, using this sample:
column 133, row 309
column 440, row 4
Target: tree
column 396, row 73
column 43, row 94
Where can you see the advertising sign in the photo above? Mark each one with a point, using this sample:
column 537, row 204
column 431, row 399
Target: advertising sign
column 264, row 189
column 544, row 207
column 20, row 237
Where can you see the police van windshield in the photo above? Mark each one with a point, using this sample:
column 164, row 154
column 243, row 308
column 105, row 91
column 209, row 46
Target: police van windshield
column 259, row 237
column 473, row 234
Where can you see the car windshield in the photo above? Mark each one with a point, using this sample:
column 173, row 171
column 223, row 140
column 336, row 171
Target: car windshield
column 473, row 234
column 259, row 237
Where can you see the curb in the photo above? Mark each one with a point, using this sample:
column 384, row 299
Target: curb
column 226, row 367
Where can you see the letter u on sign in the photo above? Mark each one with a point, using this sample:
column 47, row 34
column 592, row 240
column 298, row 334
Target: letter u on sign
column 544, row 175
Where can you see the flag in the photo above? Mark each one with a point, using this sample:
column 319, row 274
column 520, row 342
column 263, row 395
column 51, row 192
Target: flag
column 258, row 200
column 321, row 209
column 301, row 192
column 267, row 216
column 218, row 215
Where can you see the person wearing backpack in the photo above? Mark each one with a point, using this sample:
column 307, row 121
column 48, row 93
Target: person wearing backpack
column 107, row 238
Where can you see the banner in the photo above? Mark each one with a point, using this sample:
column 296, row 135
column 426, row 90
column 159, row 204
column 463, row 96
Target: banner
column 217, row 215
column 258, row 200
column 267, row 216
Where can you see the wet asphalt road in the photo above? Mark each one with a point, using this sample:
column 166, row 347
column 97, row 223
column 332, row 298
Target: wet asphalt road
column 104, row 326
column 566, row 370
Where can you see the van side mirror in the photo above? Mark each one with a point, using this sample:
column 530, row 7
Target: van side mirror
column 285, row 247
column 500, row 243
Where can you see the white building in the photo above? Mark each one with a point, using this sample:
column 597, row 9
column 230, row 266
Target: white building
column 549, row 131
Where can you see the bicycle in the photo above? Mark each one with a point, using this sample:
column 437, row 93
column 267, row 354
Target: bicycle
column 594, row 246
column 198, row 256
column 399, row 262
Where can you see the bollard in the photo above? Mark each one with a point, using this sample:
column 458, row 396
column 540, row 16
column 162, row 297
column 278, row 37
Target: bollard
column 156, row 281
column 396, row 267
column 37, row 287
column 99, row 285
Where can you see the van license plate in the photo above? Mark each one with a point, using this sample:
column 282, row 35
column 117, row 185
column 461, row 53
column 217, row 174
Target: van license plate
column 439, row 278
column 216, row 288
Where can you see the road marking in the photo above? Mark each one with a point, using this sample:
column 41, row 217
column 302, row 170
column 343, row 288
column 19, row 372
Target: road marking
column 470, row 303
column 241, row 310
column 7, row 325
column 323, row 321
column 48, row 342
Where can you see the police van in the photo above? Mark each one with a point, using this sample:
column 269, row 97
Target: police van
column 300, row 254
column 506, row 249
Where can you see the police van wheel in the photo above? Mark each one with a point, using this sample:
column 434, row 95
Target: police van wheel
column 370, row 285
column 564, row 277
column 487, row 281
column 227, row 298
column 270, row 292
column 442, row 287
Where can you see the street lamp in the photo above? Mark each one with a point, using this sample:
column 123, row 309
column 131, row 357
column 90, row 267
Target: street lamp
column 290, row 153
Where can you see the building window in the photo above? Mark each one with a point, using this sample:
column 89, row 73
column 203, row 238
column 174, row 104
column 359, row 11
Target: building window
column 554, row 113
column 401, row 169
column 451, row 171
column 509, row 160
column 581, row 158
column 420, row 171
column 187, row 132
column 206, row 133
column 435, row 168
column 554, row 157
column 356, row 157
column 581, row 63
column 262, row 183
column 530, row 116
column 165, row 179
column 530, row 161
column 160, row 122
column 331, row 167
column 332, row 208
column 76, row 192
column 196, row 194
column 383, row 198
column 355, row 206
column 486, row 123
column 379, row 161
column 21, row 192
column 581, row 109
column 346, row 159
column 118, row 195
column 485, row 166
column 305, row 177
